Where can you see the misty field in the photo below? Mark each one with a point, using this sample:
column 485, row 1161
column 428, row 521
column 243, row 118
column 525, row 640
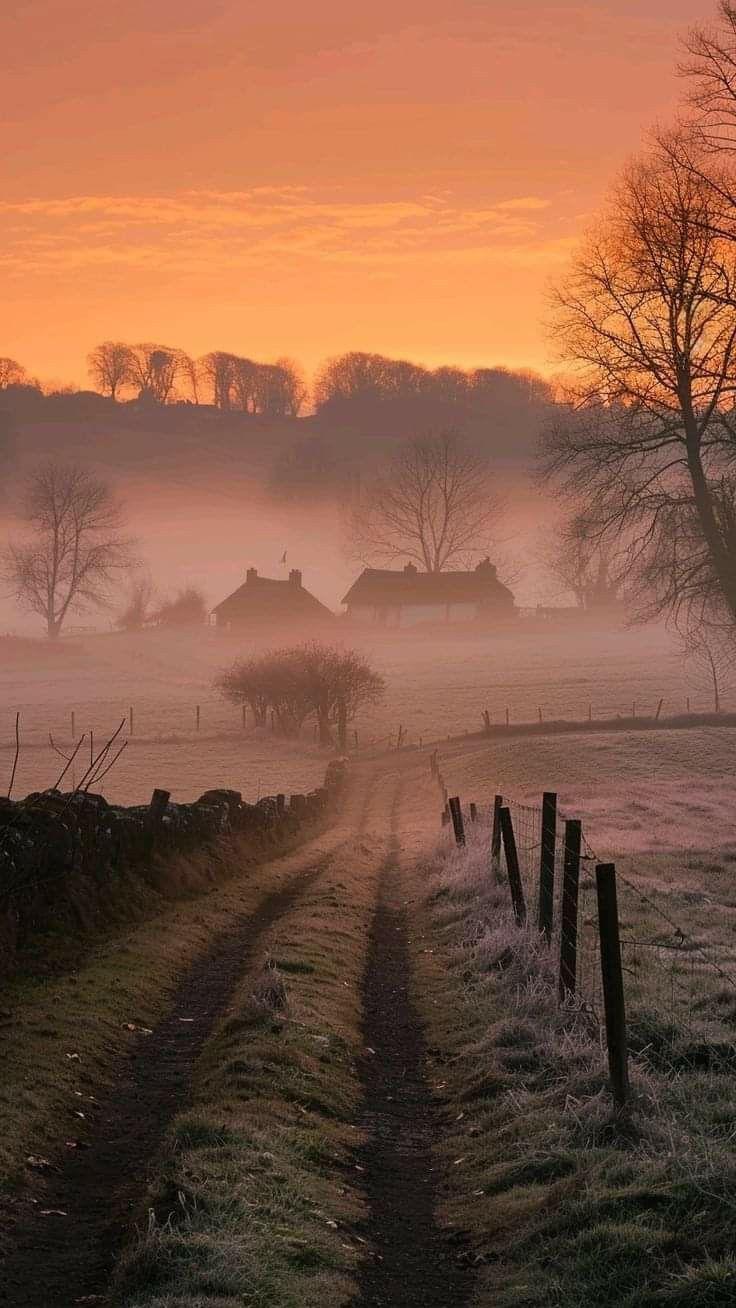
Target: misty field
column 436, row 687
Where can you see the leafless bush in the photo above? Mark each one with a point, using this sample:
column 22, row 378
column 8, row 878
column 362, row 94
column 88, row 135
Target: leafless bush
column 316, row 681
column 188, row 608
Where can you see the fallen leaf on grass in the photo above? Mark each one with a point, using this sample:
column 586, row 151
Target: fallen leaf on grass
column 458, row 1161
column 38, row 1161
column 74, row 1058
column 51, row 1212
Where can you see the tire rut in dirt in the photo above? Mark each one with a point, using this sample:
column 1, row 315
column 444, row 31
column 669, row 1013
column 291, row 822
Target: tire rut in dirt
column 413, row 1266
column 55, row 1261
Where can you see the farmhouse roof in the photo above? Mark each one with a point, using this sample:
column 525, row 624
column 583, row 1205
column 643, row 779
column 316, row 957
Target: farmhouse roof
column 263, row 598
column 383, row 586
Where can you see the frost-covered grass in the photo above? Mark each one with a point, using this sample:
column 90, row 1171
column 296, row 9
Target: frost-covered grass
column 567, row 1201
column 437, row 685
column 256, row 1198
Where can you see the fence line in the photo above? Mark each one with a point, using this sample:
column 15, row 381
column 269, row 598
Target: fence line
column 589, row 915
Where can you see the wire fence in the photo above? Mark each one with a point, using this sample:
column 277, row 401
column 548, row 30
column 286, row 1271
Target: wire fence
column 676, row 986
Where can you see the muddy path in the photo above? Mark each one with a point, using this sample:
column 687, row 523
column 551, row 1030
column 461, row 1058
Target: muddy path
column 413, row 1264
column 62, row 1250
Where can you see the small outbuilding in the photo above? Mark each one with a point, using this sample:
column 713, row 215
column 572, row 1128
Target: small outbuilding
column 383, row 597
column 263, row 602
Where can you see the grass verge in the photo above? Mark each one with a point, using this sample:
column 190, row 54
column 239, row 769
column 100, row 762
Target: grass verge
column 63, row 1034
column 257, row 1196
column 564, row 1201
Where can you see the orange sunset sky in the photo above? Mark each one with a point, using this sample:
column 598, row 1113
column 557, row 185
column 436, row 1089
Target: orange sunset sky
column 300, row 179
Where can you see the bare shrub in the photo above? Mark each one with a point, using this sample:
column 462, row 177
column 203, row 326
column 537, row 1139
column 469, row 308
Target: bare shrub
column 323, row 682
column 188, row 608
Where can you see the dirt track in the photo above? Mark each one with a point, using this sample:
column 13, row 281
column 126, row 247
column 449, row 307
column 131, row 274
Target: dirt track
column 59, row 1261
column 412, row 1266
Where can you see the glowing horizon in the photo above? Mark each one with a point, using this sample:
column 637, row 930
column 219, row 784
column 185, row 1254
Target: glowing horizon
column 405, row 181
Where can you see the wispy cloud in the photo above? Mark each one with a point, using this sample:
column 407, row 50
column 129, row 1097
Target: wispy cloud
column 200, row 230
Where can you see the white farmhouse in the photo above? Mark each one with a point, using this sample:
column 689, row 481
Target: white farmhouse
column 386, row 598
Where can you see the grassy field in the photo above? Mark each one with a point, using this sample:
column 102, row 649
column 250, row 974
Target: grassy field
column 565, row 1201
column 633, row 790
column 435, row 688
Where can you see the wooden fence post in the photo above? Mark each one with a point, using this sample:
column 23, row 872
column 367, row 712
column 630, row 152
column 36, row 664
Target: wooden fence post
column 547, row 865
column 569, row 917
column 458, row 825
column 659, row 710
column 512, row 866
column 473, row 812
column 281, row 805
column 487, row 721
column 244, row 717
column 198, row 717
column 74, row 726
column 508, row 719
column 130, row 720
column 496, row 831
column 613, row 982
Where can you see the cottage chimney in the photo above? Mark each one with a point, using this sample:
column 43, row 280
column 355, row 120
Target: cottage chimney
column 486, row 569
column 251, row 575
column 295, row 577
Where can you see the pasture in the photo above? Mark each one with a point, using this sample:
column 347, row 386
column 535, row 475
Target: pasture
column 436, row 687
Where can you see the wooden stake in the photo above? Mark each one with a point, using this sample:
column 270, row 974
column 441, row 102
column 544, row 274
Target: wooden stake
column 456, row 814
column 613, row 982
column 512, row 866
column 547, row 865
column 496, row 831
column 569, row 922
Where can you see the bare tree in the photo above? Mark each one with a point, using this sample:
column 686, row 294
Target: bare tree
column 138, row 604
column 340, row 682
column 248, row 682
column 76, row 548
column 710, row 655
column 646, row 319
column 320, row 681
column 590, row 567
column 110, row 365
column 188, row 608
column 11, row 373
column 433, row 506
column 244, row 384
column 710, row 68
column 294, row 389
column 154, row 369
column 191, row 372
column 216, row 369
